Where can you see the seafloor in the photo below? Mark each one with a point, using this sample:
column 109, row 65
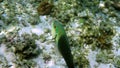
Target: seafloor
column 92, row 27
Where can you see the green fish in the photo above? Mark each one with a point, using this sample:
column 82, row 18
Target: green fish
column 62, row 43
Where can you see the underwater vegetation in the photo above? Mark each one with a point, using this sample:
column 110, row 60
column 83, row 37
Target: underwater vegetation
column 91, row 26
column 115, row 4
column 23, row 46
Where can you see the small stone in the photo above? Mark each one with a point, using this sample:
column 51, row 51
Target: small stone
column 1, row 0
column 44, row 8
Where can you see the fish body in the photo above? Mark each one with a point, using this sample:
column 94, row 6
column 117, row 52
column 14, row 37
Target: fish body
column 62, row 43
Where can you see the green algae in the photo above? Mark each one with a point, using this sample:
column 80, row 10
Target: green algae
column 95, row 30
